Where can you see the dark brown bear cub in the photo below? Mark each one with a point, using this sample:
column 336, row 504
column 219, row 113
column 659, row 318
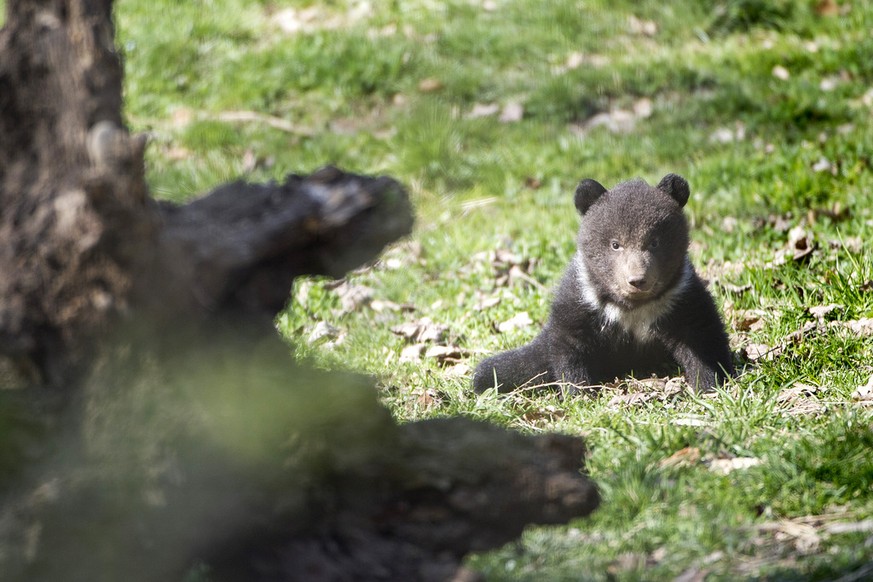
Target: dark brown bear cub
column 629, row 303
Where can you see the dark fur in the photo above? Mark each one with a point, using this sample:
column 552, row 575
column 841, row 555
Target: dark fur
column 636, row 309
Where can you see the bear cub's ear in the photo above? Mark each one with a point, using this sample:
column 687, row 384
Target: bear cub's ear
column 587, row 193
column 676, row 187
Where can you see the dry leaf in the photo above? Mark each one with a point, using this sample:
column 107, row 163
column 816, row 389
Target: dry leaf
column 819, row 311
column 512, row 112
column 403, row 255
column 446, row 354
column 799, row 401
column 427, row 399
column 643, row 108
column 735, row 289
column 548, row 413
column 728, row 134
column 616, row 121
column 487, row 302
column 781, row 73
column 322, row 331
column 799, row 246
column 799, row 243
column 576, row 59
column 692, row 574
column 864, row 393
column 726, row 466
column 642, row 27
column 823, row 165
column 533, row 183
column 860, row 327
column 631, row 399
column 757, row 352
column 458, row 370
column 353, row 297
column 379, row 305
column 518, row 321
column 422, row 331
column 412, row 353
column 483, row 110
column 430, row 85
column 749, row 319
column 687, row 457
column 827, row 8
column 691, row 420
column 798, row 390
column 845, row 527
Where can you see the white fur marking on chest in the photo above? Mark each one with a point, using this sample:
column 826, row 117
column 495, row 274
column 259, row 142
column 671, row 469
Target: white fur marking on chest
column 639, row 321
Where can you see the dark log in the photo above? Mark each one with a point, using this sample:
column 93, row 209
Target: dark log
column 227, row 453
column 151, row 420
column 239, row 248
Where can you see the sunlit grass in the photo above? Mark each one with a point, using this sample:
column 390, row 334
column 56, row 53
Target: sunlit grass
column 764, row 105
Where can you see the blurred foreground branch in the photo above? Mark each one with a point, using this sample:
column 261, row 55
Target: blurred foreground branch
column 152, row 424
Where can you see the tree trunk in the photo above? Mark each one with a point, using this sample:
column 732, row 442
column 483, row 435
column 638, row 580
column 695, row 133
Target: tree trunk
column 152, row 425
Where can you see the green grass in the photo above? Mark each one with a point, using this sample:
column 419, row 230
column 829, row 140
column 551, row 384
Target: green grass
column 392, row 92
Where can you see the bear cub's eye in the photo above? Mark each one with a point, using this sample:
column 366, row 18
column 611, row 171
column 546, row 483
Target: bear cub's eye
column 615, row 245
column 653, row 244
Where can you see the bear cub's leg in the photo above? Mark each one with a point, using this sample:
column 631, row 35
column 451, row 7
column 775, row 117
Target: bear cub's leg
column 512, row 369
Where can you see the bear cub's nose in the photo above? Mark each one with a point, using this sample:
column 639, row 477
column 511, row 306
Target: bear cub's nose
column 637, row 282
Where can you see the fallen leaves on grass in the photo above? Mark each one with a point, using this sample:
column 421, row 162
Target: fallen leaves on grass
column 430, row 85
column 778, row 543
column 325, row 334
column 486, row 301
column 820, row 311
column 352, row 297
column 806, row 533
column 864, row 394
column 315, row 18
column 543, row 415
column 642, row 27
column 781, row 73
column 799, row 246
column 687, row 457
column 800, row 400
column 759, row 352
column 726, row 135
column 863, row 327
column 616, row 120
column 518, row 321
column 422, row 331
column 727, row 466
column 575, row 60
column 804, row 537
column 511, row 112
column 859, row 327
column 268, row 120
column 483, row 110
column 635, row 392
column 402, row 255
column 430, row 342
column 446, row 355
column 692, row 456
column 748, row 319
column 507, row 268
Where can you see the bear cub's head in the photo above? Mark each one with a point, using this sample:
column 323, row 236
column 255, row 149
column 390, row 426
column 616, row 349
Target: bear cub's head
column 633, row 239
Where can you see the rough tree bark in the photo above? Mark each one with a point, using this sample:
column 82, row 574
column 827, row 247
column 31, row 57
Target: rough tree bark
column 152, row 424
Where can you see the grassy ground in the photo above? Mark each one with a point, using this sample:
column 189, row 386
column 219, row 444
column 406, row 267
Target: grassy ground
column 491, row 111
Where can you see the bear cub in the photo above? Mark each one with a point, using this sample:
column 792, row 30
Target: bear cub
column 630, row 301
